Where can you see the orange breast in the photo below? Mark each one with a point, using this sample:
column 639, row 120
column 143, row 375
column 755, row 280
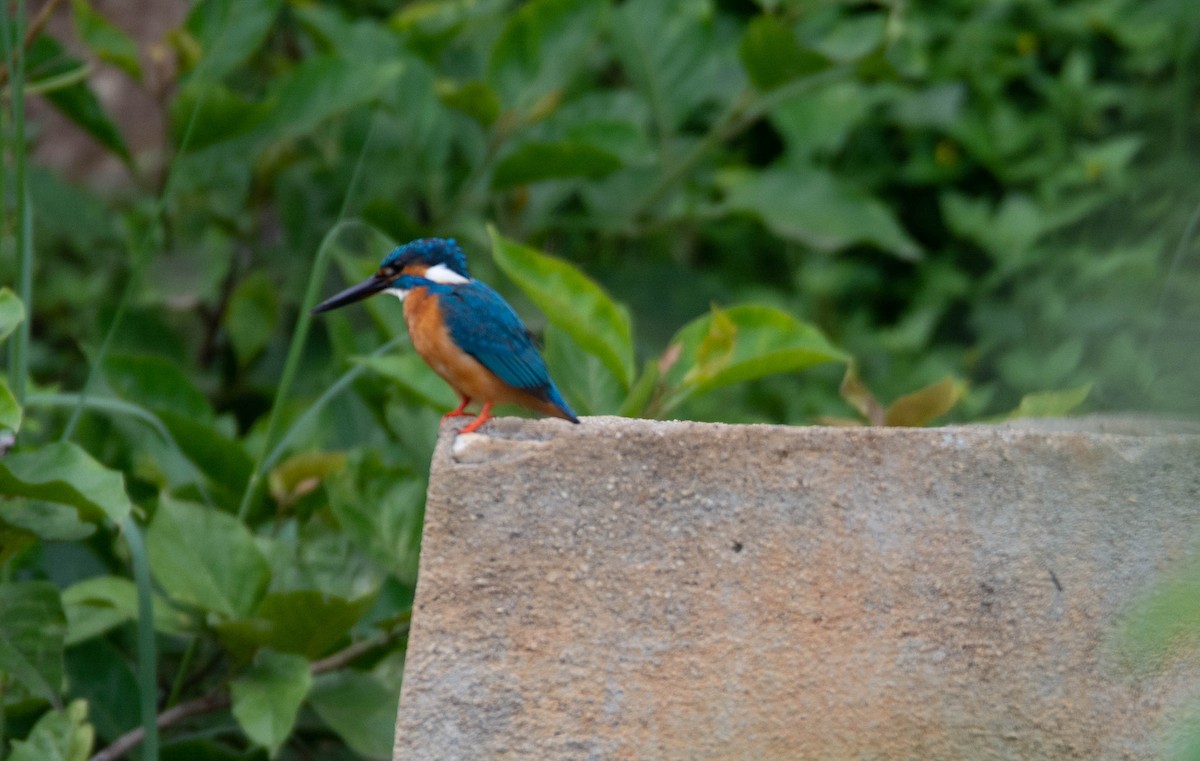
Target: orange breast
column 464, row 373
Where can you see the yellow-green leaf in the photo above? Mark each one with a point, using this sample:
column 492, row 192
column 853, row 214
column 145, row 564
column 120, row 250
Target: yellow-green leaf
column 1050, row 403
column 923, row 405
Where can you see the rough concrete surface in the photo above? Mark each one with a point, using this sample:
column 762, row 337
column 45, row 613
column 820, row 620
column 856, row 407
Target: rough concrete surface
column 627, row 589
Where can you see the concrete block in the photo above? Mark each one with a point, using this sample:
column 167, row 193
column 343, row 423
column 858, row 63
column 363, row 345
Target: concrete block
column 627, row 589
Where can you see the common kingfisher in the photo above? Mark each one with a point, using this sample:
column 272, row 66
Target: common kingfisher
column 466, row 332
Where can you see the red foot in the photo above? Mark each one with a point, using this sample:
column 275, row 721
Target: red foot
column 485, row 415
column 458, row 411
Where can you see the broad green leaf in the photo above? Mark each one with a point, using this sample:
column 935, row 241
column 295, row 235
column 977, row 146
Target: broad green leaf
column 267, row 697
column 156, row 383
column 301, row 474
column 45, row 520
column 105, row 38
column 572, row 301
column 62, row 472
column 221, row 458
column 475, row 99
column 359, row 708
column 12, row 312
column 418, row 381
column 206, row 558
column 818, row 122
column 672, row 55
column 252, row 316
column 813, row 207
column 10, row 411
column 540, row 47
column 226, row 33
column 95, row 605
column 304, row 622
column 1006, row 231
column 853, row 37
column 1050, row 403
column 642, row 393
column 62, row 80
column 768, row 341
column 60, row 735
column 534, row 162
column 772, row 55
column 317, row 89
column 924, row 405
column 31, row 636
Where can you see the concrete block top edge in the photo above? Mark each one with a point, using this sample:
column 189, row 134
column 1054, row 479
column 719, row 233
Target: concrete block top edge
column 503, row 438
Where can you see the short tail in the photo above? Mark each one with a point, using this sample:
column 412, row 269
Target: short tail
column 559, row 406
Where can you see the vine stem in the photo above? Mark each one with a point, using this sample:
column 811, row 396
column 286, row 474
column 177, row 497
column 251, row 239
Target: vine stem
column 220, row 700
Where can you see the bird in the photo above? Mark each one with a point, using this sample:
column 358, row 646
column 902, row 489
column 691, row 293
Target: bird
column 465, row 331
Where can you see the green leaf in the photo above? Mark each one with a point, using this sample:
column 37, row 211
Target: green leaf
column 924, row 405
column 419, row 382
column 156, row 383
column 227, row 32
column 221, row 458
column 62, row 472
column 540, row 47
column 317, row 89
column 359, row 708
column 853, row 37
column 642, row 393
column 767, row 341
column 858, row 396
column 206, row 558
column 96, row 605
column 12, row 312
column 267, row 698
column 252, row 316
column 46, row 520
column 303, row 622
column 60, row 735
column 475, row 99
column 379, row 508
column 534, row 162
column 671, row 54
column 772, row 56
column 571, row 301
column 1050, row 403
column 813, row 207
column 48, row 61
column 105, row 39
column 31, row 636
column 10, row 411
column 587, row 383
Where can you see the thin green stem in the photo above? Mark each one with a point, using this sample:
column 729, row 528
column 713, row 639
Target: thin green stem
column 147, row 676
column 316, row 277
column 181, row 673
column 18, row 367
column 133, row 282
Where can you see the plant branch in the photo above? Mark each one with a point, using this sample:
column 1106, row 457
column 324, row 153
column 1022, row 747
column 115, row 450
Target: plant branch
column 218, row 701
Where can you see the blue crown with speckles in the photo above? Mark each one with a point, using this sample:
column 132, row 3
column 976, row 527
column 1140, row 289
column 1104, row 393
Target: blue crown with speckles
column 430, row 252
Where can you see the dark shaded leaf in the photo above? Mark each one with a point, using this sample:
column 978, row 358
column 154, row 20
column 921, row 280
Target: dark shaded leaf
column 31, row 636
column 534, row 162
column 359, row 708
column 105, row 38
column 772, row 55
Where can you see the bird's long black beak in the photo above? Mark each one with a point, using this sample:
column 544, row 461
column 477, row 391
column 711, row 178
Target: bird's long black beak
column 369, row 287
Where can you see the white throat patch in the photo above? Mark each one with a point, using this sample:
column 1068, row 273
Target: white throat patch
column 440, row 273
column 399, row 293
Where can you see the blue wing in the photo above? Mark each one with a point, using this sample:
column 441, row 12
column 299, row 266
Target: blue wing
column 487, row 328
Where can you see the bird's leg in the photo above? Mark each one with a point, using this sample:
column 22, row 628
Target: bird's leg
column 485, row 415
column 458, row 411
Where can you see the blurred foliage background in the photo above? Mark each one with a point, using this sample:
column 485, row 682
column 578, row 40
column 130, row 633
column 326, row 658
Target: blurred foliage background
column 878, row 212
